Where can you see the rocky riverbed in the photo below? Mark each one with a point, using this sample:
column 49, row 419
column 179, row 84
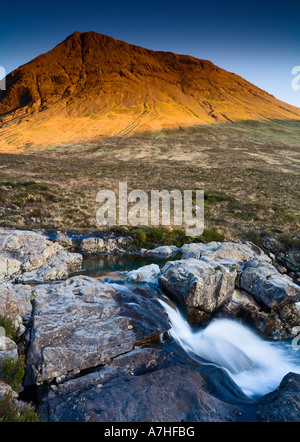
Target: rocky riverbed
column 104, row 349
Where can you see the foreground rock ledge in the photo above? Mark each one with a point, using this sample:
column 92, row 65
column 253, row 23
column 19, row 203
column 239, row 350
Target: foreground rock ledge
column 83, row 323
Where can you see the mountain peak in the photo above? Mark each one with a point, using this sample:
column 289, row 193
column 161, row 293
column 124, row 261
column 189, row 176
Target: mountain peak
column 93, row 85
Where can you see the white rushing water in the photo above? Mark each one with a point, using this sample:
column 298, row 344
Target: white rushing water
column 257, row 366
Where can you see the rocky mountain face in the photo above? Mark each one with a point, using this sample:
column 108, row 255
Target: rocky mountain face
column 92, row 85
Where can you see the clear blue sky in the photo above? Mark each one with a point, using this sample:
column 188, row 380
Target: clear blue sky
column 259, row 40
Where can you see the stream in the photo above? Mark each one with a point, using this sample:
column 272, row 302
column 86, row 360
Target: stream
column 256, row 365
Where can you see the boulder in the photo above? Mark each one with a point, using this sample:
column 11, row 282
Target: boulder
column 58, row 267
column 282, row 405
column 267, row 285
column 164, row 251
column 193, row 250
column 202, row 286
column 27, row 255
column 103, row 244
column 241, row 252
column 277, row 324
column 149, row 274
column 83, row 323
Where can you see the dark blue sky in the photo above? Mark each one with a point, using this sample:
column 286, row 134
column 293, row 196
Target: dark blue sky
column 259, row 40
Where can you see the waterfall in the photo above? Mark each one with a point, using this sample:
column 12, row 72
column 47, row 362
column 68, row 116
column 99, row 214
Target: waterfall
column 257, row 366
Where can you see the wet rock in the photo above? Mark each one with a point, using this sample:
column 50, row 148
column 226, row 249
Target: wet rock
column 269, row 287
column 82, row 323
column 156, row 387
column 282, row 405
column 149, row 273
column 202, row 286
column 277, row 324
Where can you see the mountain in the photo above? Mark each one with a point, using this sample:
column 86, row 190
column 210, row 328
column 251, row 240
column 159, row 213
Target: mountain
column 92, row 85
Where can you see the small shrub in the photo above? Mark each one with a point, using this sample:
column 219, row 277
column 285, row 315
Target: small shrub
column 210, row 235
column 13, row 371
column 11, row 411
column 10, row 330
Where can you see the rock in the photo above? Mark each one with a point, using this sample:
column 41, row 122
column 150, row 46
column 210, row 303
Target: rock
column 164, row 251
column 241, row 252
column 201, row 286
column 58, row 267
column 276, row 325
column 15, row 302
column 272, row 244
column 23, row 252
column 282, row 405
column 6, row 390
column 292, row 260
column 193, row 251
column 269, row 287
column 103, row 244
column 8, row 349
column 64, row 240
column 149, row 273
column 156, row 386
column 83, row 323
column 9, row 267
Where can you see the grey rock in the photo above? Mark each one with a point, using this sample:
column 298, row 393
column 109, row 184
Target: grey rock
column 83, row 322
column 241, row 252
column 15, row 302
column 199, row 285
column 23, row 252
column 58, row 267
column 269, row 287
column 149, row 274
column 105, row 244
column 164, row 251
column 194, row 250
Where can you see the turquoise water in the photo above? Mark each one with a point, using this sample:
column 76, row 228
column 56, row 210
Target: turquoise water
column 97, row 266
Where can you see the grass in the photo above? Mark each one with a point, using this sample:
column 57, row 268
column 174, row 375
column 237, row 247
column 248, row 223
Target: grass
column 249, row 174
column 151, row 237
column 12, row 372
